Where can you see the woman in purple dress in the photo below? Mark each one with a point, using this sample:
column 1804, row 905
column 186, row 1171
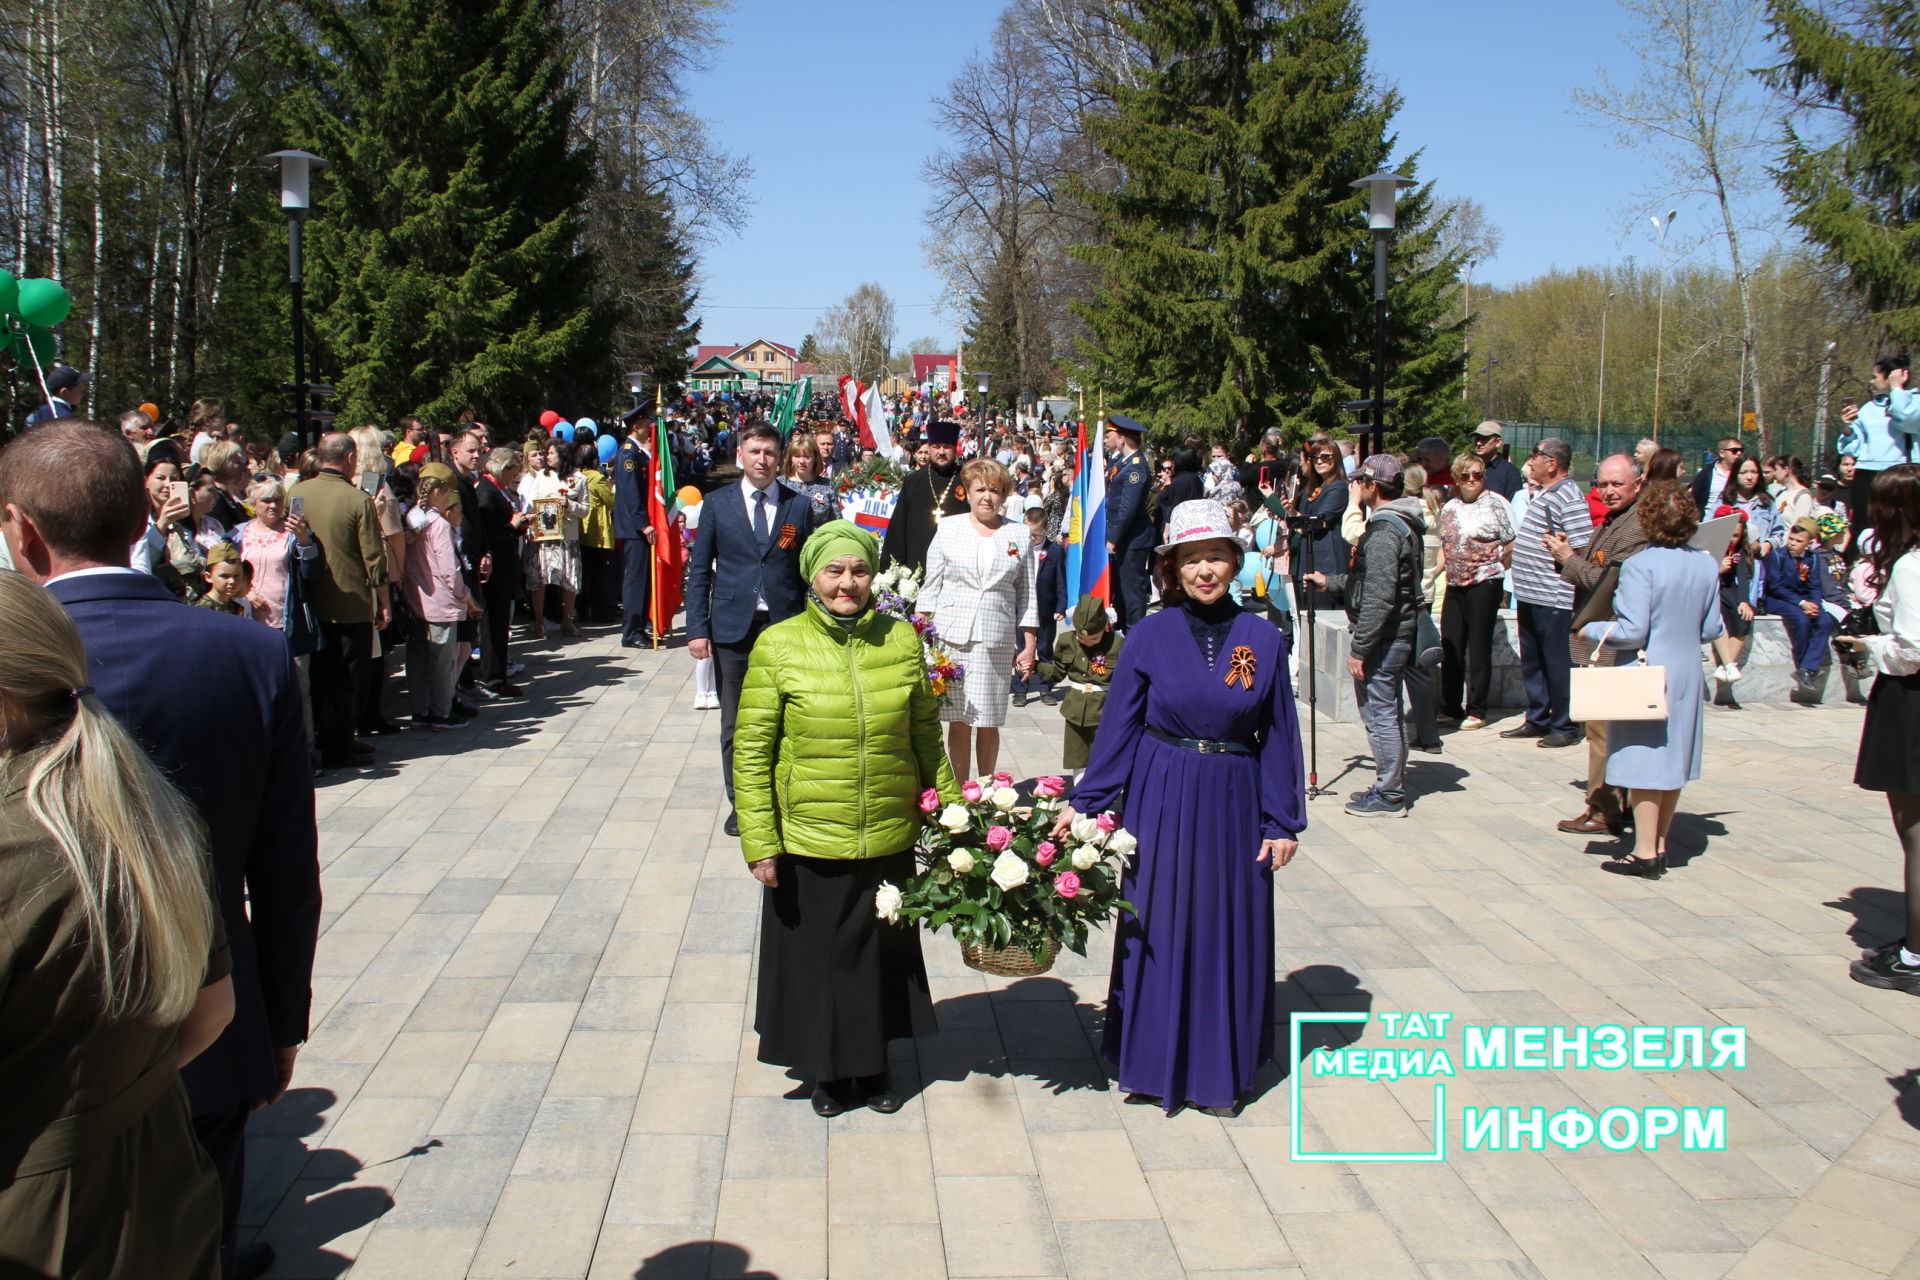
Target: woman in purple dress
column 1199, row 750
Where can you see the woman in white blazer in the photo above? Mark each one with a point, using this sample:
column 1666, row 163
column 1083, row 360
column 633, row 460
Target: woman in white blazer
column 979, row 589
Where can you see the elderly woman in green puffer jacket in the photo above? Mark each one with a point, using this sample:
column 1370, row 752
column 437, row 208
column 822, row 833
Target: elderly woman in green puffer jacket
column 837, row 752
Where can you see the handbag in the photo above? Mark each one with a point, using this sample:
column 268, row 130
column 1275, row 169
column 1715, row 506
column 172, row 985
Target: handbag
column 1632, row 692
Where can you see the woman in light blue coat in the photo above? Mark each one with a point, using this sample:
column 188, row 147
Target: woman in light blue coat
column 1666, row 606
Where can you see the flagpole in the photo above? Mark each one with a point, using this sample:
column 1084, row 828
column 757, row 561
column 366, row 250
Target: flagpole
column 653, row 551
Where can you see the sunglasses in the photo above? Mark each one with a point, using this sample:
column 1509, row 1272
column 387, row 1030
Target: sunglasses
column 1472, row 475
column 1325, row 457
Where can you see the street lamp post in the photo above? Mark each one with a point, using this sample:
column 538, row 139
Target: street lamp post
column 1487, row 368
column 296, row 172
column 1600, row 407
column 1383, row 189
column 1660, row 316
column 636, row 384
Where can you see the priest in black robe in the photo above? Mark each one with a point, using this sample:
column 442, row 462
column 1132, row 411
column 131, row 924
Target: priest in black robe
column 929, row 493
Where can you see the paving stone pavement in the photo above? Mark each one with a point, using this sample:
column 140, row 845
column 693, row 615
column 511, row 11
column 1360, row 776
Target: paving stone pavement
column 533, row 1050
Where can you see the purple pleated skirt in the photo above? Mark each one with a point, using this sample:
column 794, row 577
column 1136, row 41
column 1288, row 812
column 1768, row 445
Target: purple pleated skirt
column 1190, row 1012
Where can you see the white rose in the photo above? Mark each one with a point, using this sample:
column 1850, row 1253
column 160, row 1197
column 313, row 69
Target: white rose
column 1009, row 870
column 1005, row 798
column 1122, row 842
column 886, row 903
column 907, row 590
column 961, row 861
column 955, row 817
column 1085, row 856
column 1085, row 829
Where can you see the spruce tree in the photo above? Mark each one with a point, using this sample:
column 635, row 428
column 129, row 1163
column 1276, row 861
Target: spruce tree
column 1857, row 196
column 445, row 263
column 1237, row 272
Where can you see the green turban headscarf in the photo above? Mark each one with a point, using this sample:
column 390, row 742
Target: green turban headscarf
column 834, row 539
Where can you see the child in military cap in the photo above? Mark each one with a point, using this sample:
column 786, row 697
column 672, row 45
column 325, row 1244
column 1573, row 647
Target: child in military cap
column 1082, row 663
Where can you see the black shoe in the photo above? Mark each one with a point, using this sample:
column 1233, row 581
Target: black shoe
column 382, row 727
column 880, row 1094
column 1141, row 1100
column 733, row 823
column 254, row 1261
column 345, row 760
column 1019, row 699
column 1646, row 868
column 1225, row 1113
column 1523, row 731
column 460, row 712
column 1557, row 740
column 1884, row 969
column 1430, row 748
column 830, row 1099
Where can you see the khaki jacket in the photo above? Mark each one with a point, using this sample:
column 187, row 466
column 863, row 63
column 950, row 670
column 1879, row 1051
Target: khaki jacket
column 1075, row 662
column 343, row 519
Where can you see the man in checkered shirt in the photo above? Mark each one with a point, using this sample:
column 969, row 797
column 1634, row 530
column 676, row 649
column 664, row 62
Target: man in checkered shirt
column 1543, row 599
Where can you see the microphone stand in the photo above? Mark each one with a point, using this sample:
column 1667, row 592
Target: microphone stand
column 1304, row 594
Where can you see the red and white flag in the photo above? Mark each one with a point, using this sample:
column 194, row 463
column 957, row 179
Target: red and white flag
column 873, row 422
column 849, row 399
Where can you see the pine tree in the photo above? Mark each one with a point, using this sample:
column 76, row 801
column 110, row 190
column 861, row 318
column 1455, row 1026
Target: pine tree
column 1237, row 273
column 1858, row 195
column 445, row 261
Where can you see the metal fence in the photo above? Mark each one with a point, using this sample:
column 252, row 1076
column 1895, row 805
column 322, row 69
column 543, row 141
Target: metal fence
column 1695, row 443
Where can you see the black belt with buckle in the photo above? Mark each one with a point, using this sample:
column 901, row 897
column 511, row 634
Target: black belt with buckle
column 1205, row 746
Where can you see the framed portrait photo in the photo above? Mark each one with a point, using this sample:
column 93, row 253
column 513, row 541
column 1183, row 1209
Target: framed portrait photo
column 549, row 519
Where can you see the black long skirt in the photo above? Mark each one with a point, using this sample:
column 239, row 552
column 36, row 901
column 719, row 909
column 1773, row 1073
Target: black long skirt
column 836, row 981
column 1890, row 739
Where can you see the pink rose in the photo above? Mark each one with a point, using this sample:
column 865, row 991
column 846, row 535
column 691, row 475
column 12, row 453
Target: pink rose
column 1046, row 853
column 970, row 791
column 1002, row 779
column 998, row 838
column 1106, row 822
column 929, row 800
column 1067, row 884
column 1050, row 786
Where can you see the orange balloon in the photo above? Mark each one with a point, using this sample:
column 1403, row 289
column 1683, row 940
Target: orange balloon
column 151, row 410
column 688, row 495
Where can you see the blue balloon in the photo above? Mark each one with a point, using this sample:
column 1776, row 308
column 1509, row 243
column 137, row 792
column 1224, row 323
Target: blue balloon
column 584, row 426
column 563, row 431
column 608, row 446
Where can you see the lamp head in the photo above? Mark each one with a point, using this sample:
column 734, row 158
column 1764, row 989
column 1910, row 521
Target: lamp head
column 296, row 171
column 1382, row 189
column 636, row 382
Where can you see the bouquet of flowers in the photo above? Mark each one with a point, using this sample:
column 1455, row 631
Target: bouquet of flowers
column 875, row 473
column 992, row 872
column 894, row 591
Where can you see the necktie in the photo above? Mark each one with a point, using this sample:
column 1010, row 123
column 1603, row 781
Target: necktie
column 761, row 528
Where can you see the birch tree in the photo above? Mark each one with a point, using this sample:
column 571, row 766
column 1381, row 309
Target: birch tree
column 1696, row 109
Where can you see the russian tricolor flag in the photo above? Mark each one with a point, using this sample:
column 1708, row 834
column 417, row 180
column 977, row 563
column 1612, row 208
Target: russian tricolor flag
column 1087, row 530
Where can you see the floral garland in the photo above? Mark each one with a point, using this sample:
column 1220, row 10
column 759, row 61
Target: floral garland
column 894, row 591
column 875, row 473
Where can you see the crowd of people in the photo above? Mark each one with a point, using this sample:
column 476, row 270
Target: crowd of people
column 177, row 944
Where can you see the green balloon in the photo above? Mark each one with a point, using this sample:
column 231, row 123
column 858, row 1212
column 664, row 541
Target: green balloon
column 43, row 302
column 33, row 346
column 9, row 292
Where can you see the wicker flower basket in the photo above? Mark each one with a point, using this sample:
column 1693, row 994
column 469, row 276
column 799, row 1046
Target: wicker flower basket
column 1009, row 962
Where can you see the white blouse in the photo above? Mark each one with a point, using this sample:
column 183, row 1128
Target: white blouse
column 1896, row 650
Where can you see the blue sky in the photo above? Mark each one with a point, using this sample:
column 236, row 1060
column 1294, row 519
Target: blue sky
column 837, row 151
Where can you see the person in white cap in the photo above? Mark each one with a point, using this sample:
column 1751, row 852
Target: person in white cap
column 1199, row 740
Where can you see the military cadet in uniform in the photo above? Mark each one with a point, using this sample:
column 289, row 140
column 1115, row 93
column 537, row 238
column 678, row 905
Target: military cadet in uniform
column 630, row 479
column 1129, row 524
column 926, row 495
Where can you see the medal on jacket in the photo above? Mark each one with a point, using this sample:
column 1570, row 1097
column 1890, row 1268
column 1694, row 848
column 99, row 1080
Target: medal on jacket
column 786, row 537
column 1600, row 557
column 1240, row 668
column 1099, row 665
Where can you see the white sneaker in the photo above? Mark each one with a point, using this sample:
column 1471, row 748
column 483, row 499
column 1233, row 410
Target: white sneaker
column 1720, row 672
column 1733, row 673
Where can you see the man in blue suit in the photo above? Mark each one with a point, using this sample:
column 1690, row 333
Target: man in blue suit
column 229, row 733
column 631, row 475
column 744, row 574
column 1129, row 528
